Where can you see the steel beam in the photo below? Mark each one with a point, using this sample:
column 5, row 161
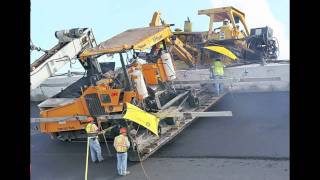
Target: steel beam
column 194, row 114
column 58, row 119
column 172, row 101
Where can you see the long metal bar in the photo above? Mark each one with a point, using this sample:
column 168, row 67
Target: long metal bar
column 162, row 114
column 58, row 119
column 128, row 87
column 255, row 79
column 194, row 114
column 67, row 118
column 172, row 101
column 203, row 114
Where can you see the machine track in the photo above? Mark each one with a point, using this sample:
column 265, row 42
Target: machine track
column 206, row 101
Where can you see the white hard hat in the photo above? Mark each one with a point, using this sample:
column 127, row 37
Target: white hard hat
column 226, row 20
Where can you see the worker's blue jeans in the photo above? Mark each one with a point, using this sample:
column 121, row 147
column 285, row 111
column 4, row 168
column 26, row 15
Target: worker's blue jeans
column 218, row 86
column 122, row 163
column 95, row 150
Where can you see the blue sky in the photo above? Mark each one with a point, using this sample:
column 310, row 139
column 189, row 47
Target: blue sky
column 280, row 8
column 109, row 17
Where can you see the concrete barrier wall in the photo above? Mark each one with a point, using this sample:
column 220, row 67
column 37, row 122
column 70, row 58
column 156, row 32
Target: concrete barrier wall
column 247, row 72
column 54, row 85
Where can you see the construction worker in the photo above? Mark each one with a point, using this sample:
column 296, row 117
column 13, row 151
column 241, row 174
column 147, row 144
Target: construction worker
column 218, row 72
column 122, row 144
column 155, row 53
column 225, row 22
column 95, row 149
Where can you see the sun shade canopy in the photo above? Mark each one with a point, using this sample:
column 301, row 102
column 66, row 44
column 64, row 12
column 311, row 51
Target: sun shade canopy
column 222, row 50
column 220, row 14
column 137, row 39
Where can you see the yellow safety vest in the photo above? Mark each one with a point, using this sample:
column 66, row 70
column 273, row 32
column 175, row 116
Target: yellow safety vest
column 218, row 68
column 121, row 143
column 91, row 128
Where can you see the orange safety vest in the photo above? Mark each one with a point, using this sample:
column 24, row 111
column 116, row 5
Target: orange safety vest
column 90, row 128
column 121, row 143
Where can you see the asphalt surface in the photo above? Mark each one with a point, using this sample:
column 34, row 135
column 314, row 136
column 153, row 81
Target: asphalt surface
column 258, row 129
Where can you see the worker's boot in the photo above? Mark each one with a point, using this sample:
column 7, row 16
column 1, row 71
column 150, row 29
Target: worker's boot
column 126, row 173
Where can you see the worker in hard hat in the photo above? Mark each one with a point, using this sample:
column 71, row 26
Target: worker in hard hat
column 122, row 144
column 218, row 72
column 95, row 149
column 155, row 53
column 225, row 29
column 225, row 22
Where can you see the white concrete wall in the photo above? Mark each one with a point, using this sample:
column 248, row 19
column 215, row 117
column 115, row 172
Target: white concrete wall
column 247, row 71
column 52, row 86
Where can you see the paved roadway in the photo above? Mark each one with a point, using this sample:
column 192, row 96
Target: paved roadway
column 220, row 148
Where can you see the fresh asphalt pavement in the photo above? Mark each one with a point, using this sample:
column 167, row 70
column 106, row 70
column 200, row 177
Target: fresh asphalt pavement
column 253, row 144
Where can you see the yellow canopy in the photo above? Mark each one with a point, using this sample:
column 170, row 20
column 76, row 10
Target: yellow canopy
column 137, row 39
column 143, row 118
column 222, row 50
